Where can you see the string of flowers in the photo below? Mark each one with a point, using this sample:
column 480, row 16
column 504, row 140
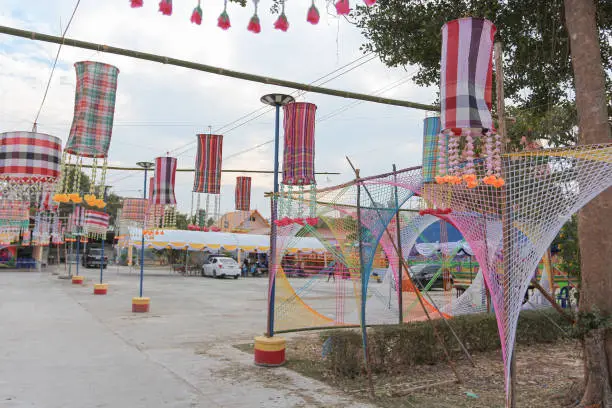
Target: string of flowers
column 223, row 21
column 282, row 23
column 313, row 14
column 165, row 7
column 470, row 176
column 442, row 142
column 196, row 15
column 254, row 25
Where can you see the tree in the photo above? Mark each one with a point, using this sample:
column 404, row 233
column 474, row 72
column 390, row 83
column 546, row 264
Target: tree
column 594, row 228
column 181, row 221
column 537, row 65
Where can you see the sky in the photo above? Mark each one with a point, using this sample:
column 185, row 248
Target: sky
column 161, row 108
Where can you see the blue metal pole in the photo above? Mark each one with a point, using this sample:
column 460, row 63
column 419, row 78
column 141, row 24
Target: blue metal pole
column 78, row 249
column 142, row 241
column 273, row 216
column 103, row 241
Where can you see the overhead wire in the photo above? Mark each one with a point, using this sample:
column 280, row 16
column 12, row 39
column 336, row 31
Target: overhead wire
column 181, row 150
column 59, row 49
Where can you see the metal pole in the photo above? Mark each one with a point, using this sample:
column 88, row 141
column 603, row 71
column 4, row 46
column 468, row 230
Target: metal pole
column 144, row 195
column 273, row 216
column 400, row 296
column 103, row 240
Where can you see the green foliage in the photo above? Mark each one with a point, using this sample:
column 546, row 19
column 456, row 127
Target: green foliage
column 537, row 65
column 394, row 349
column 181, row 221
column 569, row 248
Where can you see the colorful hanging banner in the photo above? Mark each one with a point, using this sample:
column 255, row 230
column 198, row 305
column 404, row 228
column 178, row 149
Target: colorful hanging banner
column 431, row 130
column 243, row 194
column 299, row 153
column 208, row 164
column 28, row 157
column 163, row 181
column 94, row 109
column 466, row 74
column 134, row 209
column 96, row 222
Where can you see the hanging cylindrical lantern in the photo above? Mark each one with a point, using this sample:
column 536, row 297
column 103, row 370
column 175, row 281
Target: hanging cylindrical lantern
column 298, row 157
column 162, row 195
column 243, row 194
column 96, row 224
column 133, row 212
column 29, row 163
column 465, row 96
column 91, row 131
column 208, row 173
column 431, row 130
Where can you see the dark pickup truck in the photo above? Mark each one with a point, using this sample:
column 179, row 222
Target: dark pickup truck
column 93, row 258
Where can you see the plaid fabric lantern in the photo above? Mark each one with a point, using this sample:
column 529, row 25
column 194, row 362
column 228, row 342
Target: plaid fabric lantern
column 465, row 93
column 298, row 153
column 208, row 172
column 92, row 127
column 133, row 211
column 29, row 163
column 431, row 129
column 162, row 193
column 243, row 193
column 96, row 224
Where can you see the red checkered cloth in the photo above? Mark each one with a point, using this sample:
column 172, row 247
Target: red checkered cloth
column 94, row 109
column 299, row 149
column 28, row 157
column 134, row 209
column 96, row 222
column 208, row 164
column 76, row 219
column 243, row 193
column 163, row 181
column 466, row 73
column 14, row 210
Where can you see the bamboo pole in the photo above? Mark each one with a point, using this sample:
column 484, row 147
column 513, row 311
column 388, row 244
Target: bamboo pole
column 88, row 166
column 400, row 295
column 419, row 297
column 210, row 69
column 506, row 227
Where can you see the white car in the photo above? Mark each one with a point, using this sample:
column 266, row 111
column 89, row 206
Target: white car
column 220, row 267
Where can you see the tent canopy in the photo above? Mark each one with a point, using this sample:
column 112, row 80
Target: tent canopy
column 215, row 241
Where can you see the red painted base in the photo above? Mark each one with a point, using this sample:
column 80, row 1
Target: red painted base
column 100, row 291
column 270, row 358
column 140, row 308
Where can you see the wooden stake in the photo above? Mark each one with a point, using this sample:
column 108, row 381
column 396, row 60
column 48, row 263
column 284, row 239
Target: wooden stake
column 506, row 227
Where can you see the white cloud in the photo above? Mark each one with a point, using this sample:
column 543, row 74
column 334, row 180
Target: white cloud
column 160, row 108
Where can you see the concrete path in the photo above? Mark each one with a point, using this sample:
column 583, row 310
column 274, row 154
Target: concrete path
column 62, row 347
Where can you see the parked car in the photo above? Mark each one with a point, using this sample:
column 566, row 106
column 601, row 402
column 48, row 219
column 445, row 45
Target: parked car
column 220, row 267
column 93, row 258
column 423, row 273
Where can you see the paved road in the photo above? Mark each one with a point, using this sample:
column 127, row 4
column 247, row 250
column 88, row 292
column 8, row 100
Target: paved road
column 62, row 347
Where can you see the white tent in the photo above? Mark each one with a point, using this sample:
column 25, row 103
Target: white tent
column 215, row 241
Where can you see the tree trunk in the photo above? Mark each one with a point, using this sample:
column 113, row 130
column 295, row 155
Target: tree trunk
column 594, row 220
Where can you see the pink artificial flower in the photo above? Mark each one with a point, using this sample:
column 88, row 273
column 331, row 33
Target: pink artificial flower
column 223, row 21
column 165, row 7
column 299, row 221
column 313, row 15
column 254, row 25
column 342, row 7
column 196, row 16
column 369, row 3
column 136, row 3
column 281, row 23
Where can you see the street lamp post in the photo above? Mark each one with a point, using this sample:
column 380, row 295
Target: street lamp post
column 141, row 304
column 276, row 100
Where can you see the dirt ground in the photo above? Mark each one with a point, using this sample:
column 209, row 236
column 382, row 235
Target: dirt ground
column 548, row 375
